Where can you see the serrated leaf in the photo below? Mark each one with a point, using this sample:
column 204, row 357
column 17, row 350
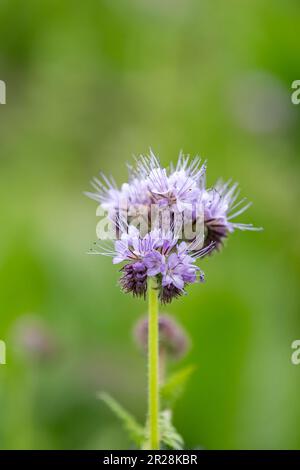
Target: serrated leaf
column 134, row 429
column 173, row 388
column 169, row 436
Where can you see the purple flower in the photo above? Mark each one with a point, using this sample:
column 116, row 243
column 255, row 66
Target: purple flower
column 180, row 188
column 154, row 262
column 173, row 272
column 220, row 207
column 160, row 251
column 132, row 247
column 180, row 270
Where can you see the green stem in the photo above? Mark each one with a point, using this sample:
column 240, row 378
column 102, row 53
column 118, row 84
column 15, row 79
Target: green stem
column 153, row 364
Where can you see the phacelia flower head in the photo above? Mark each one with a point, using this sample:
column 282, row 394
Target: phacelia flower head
column 165, row 219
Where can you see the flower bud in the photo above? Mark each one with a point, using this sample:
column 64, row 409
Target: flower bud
column 33, row 338
column 173, row 340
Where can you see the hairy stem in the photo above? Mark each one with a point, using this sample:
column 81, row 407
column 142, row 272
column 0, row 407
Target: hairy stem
column 153, row 366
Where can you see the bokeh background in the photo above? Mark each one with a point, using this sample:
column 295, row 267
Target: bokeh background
column 88, row 85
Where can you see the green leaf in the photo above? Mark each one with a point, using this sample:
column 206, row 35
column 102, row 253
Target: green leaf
column 169, row 437
column 133, row 428
column 174, row 386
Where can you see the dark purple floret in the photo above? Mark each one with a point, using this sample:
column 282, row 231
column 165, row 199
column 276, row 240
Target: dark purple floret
column 168, row 293
column 216, row 232
column 134, row 279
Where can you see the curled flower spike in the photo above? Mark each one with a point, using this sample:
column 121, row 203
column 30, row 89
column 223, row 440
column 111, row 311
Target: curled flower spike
column 220, row 207
column 164, row 220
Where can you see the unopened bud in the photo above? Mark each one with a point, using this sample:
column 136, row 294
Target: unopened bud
column 173, row 340
column 33, row 338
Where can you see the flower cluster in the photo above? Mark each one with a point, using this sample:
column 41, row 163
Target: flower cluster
column 165, row 251
column 157, row 254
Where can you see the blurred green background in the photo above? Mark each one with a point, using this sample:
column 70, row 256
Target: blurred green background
column 88, row 85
